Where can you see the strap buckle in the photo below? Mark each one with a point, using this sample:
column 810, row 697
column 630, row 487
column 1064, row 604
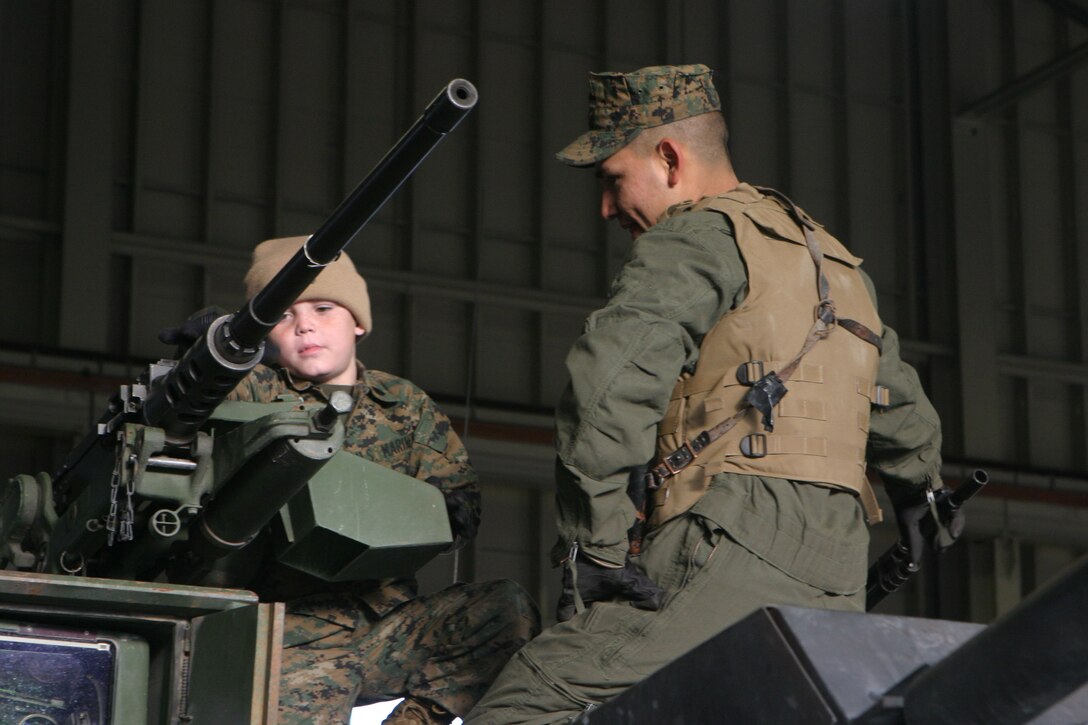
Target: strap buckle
column 754, row 445
column 882, row 397
column 679, row 459
column 749, row 372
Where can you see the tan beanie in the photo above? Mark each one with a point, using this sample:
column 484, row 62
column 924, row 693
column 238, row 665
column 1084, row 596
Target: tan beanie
column 338, row 282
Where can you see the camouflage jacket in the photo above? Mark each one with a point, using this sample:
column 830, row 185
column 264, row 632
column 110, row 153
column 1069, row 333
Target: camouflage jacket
column 393, row 423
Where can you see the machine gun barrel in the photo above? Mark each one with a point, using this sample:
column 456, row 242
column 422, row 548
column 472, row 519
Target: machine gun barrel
column 183, row 401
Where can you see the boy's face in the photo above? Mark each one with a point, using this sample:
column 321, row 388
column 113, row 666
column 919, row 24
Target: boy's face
column 316, row 341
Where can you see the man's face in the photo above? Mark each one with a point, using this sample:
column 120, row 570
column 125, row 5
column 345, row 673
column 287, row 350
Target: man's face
column 634, row 189
column 316, row 341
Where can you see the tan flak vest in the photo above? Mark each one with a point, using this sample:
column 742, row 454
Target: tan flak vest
column 821, row 424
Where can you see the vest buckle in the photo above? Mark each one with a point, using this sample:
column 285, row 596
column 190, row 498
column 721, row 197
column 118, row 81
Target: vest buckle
column 882, row 397
column 679, row 459
column 754, row 445
column 749, row 372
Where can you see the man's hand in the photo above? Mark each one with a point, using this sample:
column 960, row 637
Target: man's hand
column 597, row 582
column 920, row 529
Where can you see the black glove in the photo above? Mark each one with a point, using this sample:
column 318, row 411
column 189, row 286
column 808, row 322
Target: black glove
column 598, row 583
column 463, row 510
column 919, row 530
column 188, row 332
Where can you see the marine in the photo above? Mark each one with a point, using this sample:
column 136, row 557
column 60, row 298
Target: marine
column 722, row 409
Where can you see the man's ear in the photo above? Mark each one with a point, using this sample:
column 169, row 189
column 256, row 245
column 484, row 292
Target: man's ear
column 672, row 155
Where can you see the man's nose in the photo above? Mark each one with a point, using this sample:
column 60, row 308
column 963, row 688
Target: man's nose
column 608, row 205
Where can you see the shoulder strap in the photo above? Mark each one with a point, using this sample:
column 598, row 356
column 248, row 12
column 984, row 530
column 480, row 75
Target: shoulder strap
column 766, row 392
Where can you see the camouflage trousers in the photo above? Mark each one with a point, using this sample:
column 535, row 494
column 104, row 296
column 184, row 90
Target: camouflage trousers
column 444, row 648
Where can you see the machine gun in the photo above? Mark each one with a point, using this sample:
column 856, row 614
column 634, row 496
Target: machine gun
column 174, row 478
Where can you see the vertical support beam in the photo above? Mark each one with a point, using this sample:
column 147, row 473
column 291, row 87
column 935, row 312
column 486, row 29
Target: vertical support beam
column 1078, row 189
column 88, row 191
column 603, row 63
column 59, row 23
column 909, row 162
column 1008, row 574
column 979, row 226
column 1075, row 298
column 547, row 584
column 477, row 200
column 673, row 42
column 211, row 133
column 1017, row 280
column 350, row 92
column 930, row 153
column 279, row 106
column 980, row 571
column 346, row 94
column 404, row 211
column 141, row 61
column 540, row 203
column 976, row 305
column 841, row 132
column 723, row 77
column 930, row 209
column 785, row 117
column 49, row 284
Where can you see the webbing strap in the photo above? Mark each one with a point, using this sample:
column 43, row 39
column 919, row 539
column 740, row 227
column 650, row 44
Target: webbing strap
column 807, row 227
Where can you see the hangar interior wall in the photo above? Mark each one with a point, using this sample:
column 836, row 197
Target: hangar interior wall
column 147, row 145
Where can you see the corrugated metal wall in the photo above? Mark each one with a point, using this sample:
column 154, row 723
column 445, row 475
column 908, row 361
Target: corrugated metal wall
column 147, row 146
column 205, row 127
column 1021, row 176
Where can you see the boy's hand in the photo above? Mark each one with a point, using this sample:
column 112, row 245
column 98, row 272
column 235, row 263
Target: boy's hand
column 188, row 332
column 462, row 508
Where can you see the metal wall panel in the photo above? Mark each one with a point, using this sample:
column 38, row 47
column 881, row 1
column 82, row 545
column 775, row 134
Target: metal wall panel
column 170, row 143
column 1016, row 141
column 153, row 143
column 31, row 53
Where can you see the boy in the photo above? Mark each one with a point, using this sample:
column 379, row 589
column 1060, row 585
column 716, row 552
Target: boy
column 358, row 642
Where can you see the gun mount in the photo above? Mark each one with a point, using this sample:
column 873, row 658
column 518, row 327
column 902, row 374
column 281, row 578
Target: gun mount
column 165, row 478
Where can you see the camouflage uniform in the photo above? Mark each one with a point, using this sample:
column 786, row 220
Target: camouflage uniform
column 359, row 642
column 622, row 105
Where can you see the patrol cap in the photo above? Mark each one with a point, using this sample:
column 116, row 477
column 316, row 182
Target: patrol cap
column 621, row 105
column 338, row 282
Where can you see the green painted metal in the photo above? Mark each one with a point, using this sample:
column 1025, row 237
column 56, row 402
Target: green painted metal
column 153, row 628
column 359, row 520
column 117, row 595
column 235, row 677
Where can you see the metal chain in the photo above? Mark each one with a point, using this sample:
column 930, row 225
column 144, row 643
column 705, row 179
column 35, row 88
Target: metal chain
column 128, row 516
column 115, row 483
column 122, row 525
